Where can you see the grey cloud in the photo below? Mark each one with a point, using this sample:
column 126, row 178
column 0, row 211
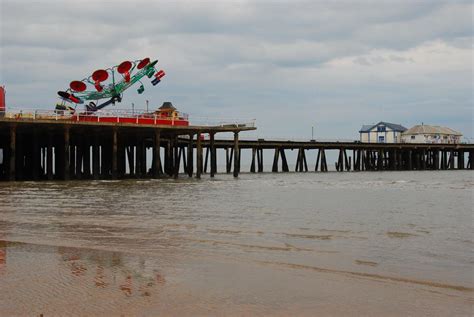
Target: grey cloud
column 262, row 59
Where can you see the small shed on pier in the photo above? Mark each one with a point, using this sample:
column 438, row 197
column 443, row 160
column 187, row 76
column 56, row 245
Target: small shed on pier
column 382, row 132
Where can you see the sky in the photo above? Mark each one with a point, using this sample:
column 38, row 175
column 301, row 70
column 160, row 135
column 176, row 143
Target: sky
column 291, row 65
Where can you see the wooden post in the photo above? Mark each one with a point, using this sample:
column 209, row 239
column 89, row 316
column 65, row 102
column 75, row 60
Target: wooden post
column 275, row 160
column 317, row 160
column 298, row 160
column 305, row 163
column 436, row 159
column 236, row 154
column 423, row 159
column 49, row 156
column 451, row 159
column 95, row 157
column 324, row 164
column 87, row 158
column 460, row 159
column 379, row 160
column 470, row 163
column 346, row 161
column 198, row 156
column 114, row 153
column 138, row 156
column 284, row 162
column 190, row 156
column 36, row 155
column 444, row 159
column 156, row 154
column 229, row 159
column 144, row 171
column 213, row 154
column 252, row 165
column 260, row 165
column 12, row 150
column 206, row 159
column 79, row 151
column 185, row 161
column 176, row 158
column 410, row 160
column 66, row 162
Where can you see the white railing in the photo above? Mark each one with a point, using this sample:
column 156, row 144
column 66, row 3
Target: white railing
column 124, row 116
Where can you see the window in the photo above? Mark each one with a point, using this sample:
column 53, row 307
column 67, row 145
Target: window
column 381, row 128
column 381, row 139
column 412, row 137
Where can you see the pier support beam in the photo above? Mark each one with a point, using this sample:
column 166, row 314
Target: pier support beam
column 252, row 164
column 229, row 157
column 12, row 150
column 236, row 154
column 49, row 157
column 213, row 154
column 156, row 154
column 284, row 162
column 276, row 157
column 190, row 164
column 66, row 153
column 460, row 159
column 260, row 160
column 176, row 157
column 114, row 153
column 198, row 156
column 86, row 158
column 95, row 157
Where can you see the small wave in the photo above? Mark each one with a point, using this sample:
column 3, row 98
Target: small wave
column 400, row 235
column 369, row 263
column 309, row 236
column 460, row 288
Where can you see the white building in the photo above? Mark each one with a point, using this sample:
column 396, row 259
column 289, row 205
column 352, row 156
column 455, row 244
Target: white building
column 382, row 132
column 431, row 134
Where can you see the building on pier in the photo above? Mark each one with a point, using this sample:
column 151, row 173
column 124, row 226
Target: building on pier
column 431, row 134
column 382, row 132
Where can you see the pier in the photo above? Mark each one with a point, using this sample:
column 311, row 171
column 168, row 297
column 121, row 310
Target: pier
column 48, row 149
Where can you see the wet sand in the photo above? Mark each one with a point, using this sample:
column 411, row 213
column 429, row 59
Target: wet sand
column 365, row 244
column 50, row 280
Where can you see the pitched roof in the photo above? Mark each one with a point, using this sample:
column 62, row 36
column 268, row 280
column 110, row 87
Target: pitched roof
column 431, row 129
column 167, row 106
column 393, row 126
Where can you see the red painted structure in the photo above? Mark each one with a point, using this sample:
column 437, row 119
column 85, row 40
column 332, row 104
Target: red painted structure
column 139, row 119
column 167, row 114
column 2, row 99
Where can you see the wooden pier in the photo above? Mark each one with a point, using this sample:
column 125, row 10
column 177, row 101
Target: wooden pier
column 63, row 150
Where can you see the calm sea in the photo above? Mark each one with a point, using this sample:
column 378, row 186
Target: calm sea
column 363, row 243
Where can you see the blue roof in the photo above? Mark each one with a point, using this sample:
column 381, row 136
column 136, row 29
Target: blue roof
column 393, row 126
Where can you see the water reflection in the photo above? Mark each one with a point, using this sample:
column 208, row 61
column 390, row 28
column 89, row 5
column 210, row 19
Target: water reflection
column 109, row 271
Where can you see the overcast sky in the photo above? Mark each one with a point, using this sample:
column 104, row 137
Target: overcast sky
column 289, row 64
